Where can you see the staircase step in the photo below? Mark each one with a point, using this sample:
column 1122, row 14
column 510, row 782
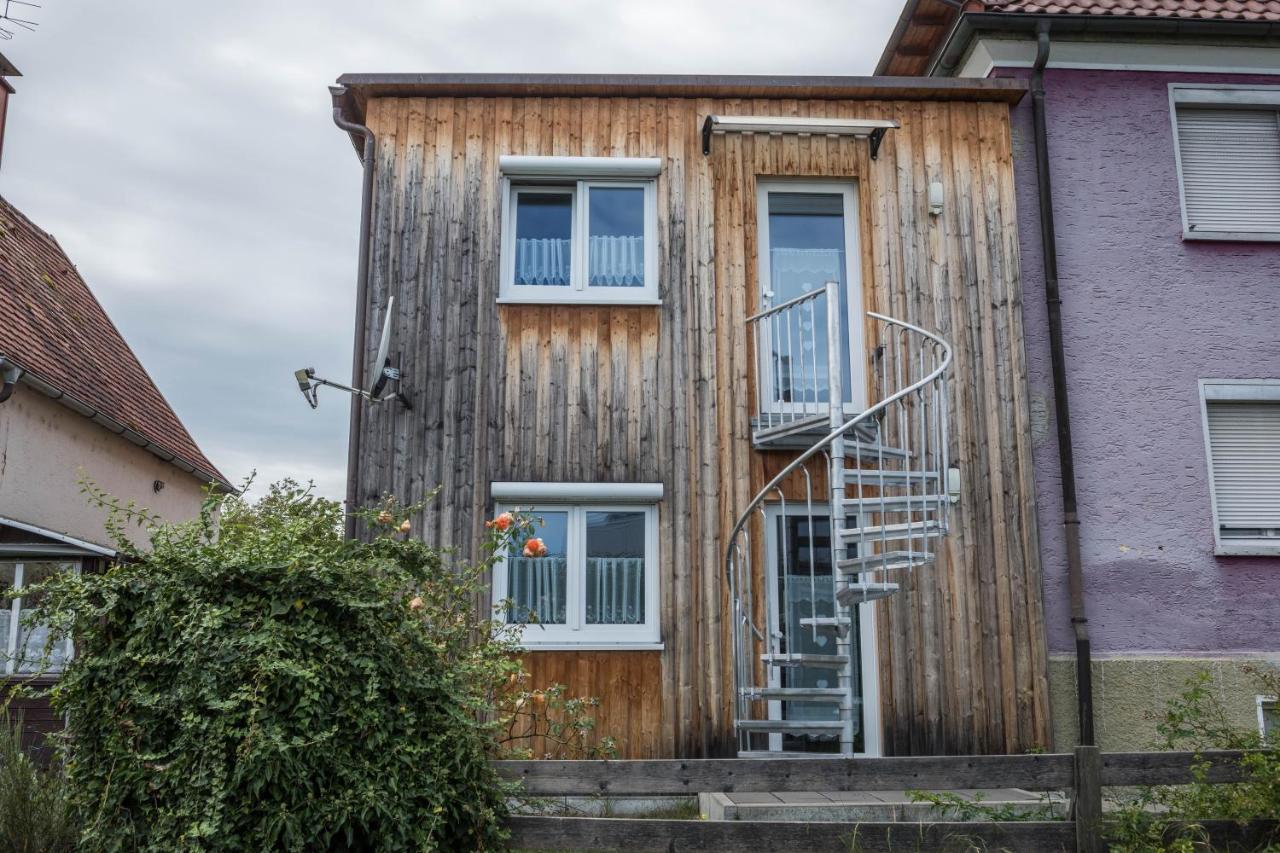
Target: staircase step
column 799, row 659
column 876, row 476
column 905, row 530
column 886, row 561
column 798, row 694
column 894, row 503
column 838, row 623
column 810, row 727
column 860, row 592
column 875, row 450
column 783, row 753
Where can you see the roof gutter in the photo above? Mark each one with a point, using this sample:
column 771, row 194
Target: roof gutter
column 103, row 420
column 345, row 122
column 954, row 47
column 1062, row 408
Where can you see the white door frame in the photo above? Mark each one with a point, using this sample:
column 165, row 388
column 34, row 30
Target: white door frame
column 866, row 632
column 853, row 282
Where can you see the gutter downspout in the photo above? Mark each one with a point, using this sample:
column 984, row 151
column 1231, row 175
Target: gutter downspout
column 10, row 373
column 1062, row 410
column 362, row 293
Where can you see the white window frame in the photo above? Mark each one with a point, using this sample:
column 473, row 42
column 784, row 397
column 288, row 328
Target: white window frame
column 1218, row 390
column 577, row 500
column 10, row 669
column 1265, row 704
column 1241, row 96
column 577, row 176
column 848, row 190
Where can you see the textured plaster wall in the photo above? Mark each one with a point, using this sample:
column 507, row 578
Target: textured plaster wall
column 44, row 449
column 1145, row 316
column 1128, row 691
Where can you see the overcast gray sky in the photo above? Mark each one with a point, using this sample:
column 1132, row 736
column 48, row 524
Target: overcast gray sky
column 184, row 155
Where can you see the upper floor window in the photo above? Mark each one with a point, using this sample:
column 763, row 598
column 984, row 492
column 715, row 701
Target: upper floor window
column 1228, row 153
column 579, row 229
column 1242, row 436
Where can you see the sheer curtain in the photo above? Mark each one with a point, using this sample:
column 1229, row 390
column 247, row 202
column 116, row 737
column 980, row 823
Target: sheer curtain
column 617, row 261
column 543, row 260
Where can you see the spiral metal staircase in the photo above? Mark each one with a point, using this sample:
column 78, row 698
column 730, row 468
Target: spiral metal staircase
column 796, row 647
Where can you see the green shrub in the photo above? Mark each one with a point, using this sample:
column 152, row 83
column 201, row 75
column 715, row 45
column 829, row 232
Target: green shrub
column 35, row 816
column 1167, row 818
column 253, row 681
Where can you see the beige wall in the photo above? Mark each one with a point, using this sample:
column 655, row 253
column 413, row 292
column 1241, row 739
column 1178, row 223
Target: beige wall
column 45, row 448
column 1128, row 691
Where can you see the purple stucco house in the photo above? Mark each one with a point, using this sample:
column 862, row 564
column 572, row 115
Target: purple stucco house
column 1148, row 159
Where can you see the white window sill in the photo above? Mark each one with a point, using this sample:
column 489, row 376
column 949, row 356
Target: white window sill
column 1248, row 548
column 552, row 300
column 1231, row 236
column 592, row 647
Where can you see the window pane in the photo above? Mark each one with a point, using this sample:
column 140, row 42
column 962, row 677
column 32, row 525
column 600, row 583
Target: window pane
column 8, row 574
column 615, row 568
column 34, row 641
column 806, row 250
column 616, row 229
column 536, row 585
column 544, row 231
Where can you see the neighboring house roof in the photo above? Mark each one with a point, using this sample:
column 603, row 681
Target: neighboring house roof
column 1227, row 10
column 53, row 328
column 925, row 25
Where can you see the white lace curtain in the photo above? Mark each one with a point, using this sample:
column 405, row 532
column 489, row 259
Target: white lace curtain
column 612, row 261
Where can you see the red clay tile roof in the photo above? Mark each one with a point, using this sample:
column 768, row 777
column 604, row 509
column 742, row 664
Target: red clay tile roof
column 924, row 24
column 52, row 327
column 1224, row 10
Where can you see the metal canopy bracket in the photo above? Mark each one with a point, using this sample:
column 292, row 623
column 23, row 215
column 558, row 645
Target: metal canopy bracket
column 870, row 129
column 877, row 136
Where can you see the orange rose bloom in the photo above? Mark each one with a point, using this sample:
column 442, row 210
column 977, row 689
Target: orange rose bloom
column 502, row 522
column 535, row 548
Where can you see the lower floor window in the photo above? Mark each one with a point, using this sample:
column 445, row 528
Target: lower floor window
column 594, row 580
column 28, row 648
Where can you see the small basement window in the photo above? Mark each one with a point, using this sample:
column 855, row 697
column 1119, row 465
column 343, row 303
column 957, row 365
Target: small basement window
column 1228, row 155
column 1269, row 719
column 597, row 584
column 579, row 229
column 24, row 648
column 1242, row 439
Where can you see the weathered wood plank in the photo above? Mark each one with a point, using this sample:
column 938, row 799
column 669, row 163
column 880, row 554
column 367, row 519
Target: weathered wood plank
column 1171, row 768
column 732, row 836
column 571, row 778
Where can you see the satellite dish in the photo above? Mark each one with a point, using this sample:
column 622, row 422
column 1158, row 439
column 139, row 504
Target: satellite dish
column 377, row 373
column 380, row 373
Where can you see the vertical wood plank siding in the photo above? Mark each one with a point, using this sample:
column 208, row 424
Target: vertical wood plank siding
column 627, row 393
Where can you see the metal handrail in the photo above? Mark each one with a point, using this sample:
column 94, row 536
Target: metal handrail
column 840, row 431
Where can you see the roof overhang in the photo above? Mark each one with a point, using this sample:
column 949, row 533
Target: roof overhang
column 359, row 89
column 48, row 389
column 952, row 49
column 873, row 129
column 61, row 544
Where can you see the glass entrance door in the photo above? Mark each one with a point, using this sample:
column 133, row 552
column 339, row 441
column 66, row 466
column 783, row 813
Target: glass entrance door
column 808, row 236
column 801, row 584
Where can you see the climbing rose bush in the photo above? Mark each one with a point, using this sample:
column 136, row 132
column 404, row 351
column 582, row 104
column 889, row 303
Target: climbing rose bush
column 253, row 681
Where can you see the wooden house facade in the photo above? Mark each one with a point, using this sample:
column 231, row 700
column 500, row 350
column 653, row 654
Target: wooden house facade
column 650, row 400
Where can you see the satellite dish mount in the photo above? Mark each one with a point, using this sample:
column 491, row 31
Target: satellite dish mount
column 381, row 373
